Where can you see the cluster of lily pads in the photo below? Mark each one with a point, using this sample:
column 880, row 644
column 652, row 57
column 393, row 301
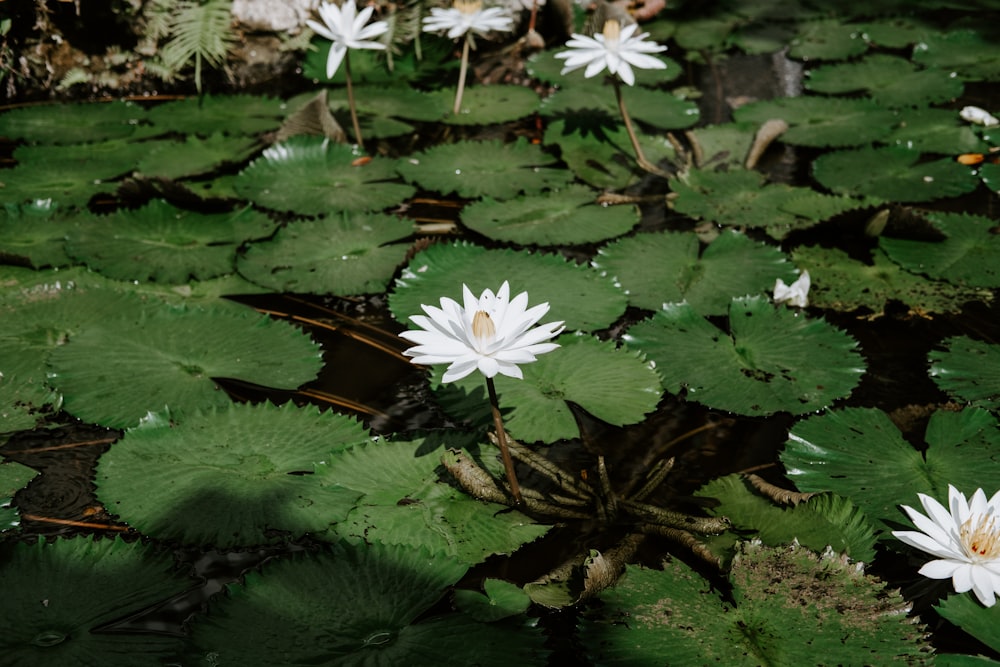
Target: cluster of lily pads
column 125, row 225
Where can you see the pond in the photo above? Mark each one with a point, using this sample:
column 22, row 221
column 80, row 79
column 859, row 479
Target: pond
column 730, row 308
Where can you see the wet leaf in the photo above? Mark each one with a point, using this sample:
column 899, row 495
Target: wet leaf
column 971, row 52
column 36, row 232
column 827, row 39
column 968, row 369
column 206, row 115
column 491, row 104
column 981, row 622
column 196, row 156
column 822, row 122
column 889, row 80
column 72, row 123
column 969, row 255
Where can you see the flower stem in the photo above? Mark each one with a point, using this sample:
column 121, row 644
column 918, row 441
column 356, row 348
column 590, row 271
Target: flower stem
column 640, row 157
column 508, row 462
column 350, row 101
column 461, row 79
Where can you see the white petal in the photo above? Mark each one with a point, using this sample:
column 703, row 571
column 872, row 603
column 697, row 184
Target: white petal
column 643, row 61
column 925, row 543
column 595, row 68
column 945, row 535
column 985, row 585
column 510, row 370
column 488, row 366
column 457, row 371
column 625, row 73
column 961, row 578
column 337, row 53
column 942, row 569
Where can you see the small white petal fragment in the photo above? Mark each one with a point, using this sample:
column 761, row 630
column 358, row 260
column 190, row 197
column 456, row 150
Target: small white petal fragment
column 796, row 294
column 966, row 539
column 616, row 49
column 978, row 116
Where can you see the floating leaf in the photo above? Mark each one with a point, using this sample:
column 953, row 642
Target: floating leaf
column 969, row 254
column 972, row 53
column 35, row 232
column 115, row 371
column 310, row 175
column 477, row 168
column 71, row 123
column 981, row 622
column 889, row 80
column 968, row 369
column 231, row 114
column 655, row 269
column 822, row 121
column 195, row 156
column 396, row 101
column 231, row 477
column 827, row 39
column 935, row 131
column 860, row 454
column 652, row 107
column 725, row 144
column 569, row 215
column 502, row 599
column 772, row 359
column 338, row 254
column 23, row 405
column 578, row 295
column 482, row 105
column 13, row 478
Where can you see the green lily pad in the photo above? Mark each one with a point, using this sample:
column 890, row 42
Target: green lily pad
column 900, row 176
column 822, row 122
column 478, row 168
column 655, row 269
column 772, row 359
column 163, row 243
column 71, row 123
column 969, row 255
column 393, row 101
column 889, row 80
column 579, row 296
column 615, row 386
column 253, row 466
column 790, row 607
column 653, row 107
column 482, row 105
column 310, row 175
column 724, row 145
column 827, row 39
column 968, row 369
column 500, row 599
column 67, row 590
column 115, row 371
column 230, row 114
column 981, row 622
column 990, row 173
column 23, row 405
column 935, row 131
column 406, row 502
column 35, row 232
column 973, row 53
column 195, row 156
column 895, row 32
column 365, row 604
column 557, row 217
column 13, row 478
column 859, row 453
column 337, row 254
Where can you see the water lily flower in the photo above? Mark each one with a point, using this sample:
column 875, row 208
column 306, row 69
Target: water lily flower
column 492, row 333
column 965, row 539
column 616, row 48
column 796, row 294
column 978, row 116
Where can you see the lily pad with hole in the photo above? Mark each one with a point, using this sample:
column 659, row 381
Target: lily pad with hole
column 656, row 108
column 35, row 232
column 310, row 175
column 889, row 80
column 411, row 501
column 353, row 605
column 484, row 168
column 969, row 255
column 859, row 453
column 569, row 215
column 822, row 122
column 893, row 173
column 231, row 477
column 165, row 244
column 230, row 114
column 655, row 269
column 483, row 105
column 113, row 372
column 771, row 359
column 578, row 295
column 195, row 156
column 935, row 131
column 843, row 283
column 71, row 123
column 968, row 370
column 342, row 253
column 616, row 386
column 69, row 591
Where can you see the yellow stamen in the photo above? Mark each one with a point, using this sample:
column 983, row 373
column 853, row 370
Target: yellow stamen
column 468, row 6
column 980, row 536
column 612, row 31
column 482, row 326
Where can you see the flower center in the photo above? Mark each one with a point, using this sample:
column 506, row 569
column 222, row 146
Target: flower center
column 612, row 32
column 468, row 6
column 482, row 326
column 981, row 537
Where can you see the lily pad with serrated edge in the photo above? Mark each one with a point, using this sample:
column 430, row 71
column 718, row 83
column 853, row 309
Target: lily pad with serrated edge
column 827, row 39
column 407, row 501
column 231, row 114
column 566, row 216
column 654, row 107
column 165, row 244
column 823, row 122
column 843, row 283
column 483, row 105
column 35, row 231
column 231, row 477
column 67, row 590
column 725, row 144
column 667, row 267
column 386, row 613
column 484, row 168
column 973, row 53
column 893, row 173
column 772, row 359
column 889, row 80
column 397, row 101
column 23, row 404
column 578, row 295
column 13, row 478
column 782, row 596
column 500, row 599
column 338, row 254
column 68, row 123
column 310, row 175
column 859, row 453
column 981, row 622
column 195, row 156
column 935, row 131
column 115, row 371
column 969, row 255
column 615, row 386
column 968, row 369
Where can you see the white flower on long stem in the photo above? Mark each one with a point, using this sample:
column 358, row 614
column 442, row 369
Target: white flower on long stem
column 345, row 27
column 965, row 539
column 492, row 333
column 796, row 294
column 616, row 49
column 468, row 15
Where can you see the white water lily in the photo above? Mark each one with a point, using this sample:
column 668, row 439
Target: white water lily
column 345, row 27
column 965, row 539
column 468, row 15
column 616, row 49
column 492, row 333
column 796, row 294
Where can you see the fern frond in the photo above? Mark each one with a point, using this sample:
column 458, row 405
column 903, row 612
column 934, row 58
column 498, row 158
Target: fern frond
column 199, row 30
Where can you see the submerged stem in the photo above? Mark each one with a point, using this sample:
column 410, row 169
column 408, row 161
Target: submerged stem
column 461, row 81
column 350, row 100
column 640, row 157
column 508, row 462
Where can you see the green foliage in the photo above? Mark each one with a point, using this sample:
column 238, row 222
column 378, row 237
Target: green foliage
column 199, row 29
